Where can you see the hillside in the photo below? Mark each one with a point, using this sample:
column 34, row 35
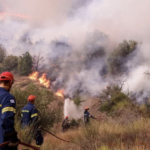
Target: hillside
column 125, row 125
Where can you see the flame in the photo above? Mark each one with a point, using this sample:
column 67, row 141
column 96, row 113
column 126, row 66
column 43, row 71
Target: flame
column 34, row 75
column 13, row 15
column 60, row 93
column 43, row 80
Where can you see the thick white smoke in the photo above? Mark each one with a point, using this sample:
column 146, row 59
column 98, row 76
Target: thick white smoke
column 72, row 111
column 71, row 30
column 137, row 83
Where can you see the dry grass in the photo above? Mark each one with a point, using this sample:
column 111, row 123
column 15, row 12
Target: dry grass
column 126, row 130
column 108, row 135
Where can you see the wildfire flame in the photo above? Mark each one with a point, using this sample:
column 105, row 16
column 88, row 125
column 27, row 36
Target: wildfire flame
column 34, row 75
column 46, row 82
column 60, row 93
column 43, row 80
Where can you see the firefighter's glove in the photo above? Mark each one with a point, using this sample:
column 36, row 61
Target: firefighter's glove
column 14, row 141
column 93, row 117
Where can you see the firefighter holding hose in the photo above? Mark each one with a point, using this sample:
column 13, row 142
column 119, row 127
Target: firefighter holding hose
column 7, row 112
column 30, row 119
column 65, row 124
column 87, row 116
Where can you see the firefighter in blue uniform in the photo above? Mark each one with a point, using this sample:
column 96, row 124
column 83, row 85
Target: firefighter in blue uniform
column 7, row 112
column 87, row 116
column 30, row 119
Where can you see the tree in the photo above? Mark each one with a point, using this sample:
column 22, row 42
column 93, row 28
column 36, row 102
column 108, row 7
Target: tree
column 77, row 100
column 118, row 57
column 10, row 63
column 25, row 64
column 37, row 61
column 2, row 54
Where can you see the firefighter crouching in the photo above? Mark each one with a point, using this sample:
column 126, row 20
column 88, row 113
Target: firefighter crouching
column 87, row 116
column 65, row 124
column 29, row 118
column 7, row 112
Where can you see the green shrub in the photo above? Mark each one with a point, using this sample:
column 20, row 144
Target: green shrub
column 77, row 100
column 118, row 57
column 116, row 101
column 10, row 63
column 25, row 64
column 3, row 53
column 75, row 123
column 48, row 115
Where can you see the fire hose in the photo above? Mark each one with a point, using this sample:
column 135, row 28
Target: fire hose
column 28, row 145
column 55, row 136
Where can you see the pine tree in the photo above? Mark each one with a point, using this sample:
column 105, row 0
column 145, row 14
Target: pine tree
column 25, row 64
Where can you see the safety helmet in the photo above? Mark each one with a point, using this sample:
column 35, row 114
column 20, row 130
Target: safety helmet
column 86, row 108
column 66, row 117
column 31, row 98
column 6, row 76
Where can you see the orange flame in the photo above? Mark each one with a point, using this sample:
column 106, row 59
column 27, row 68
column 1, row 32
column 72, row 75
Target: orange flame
column 43, row 80
column 34, row 75
column 60, row 93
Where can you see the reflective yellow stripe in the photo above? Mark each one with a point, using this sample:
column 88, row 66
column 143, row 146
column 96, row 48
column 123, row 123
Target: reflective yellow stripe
column 8, row 109
column 25, row 111
column 38, row 146
column 34, row 115
column 0, row 105
column 21, row 115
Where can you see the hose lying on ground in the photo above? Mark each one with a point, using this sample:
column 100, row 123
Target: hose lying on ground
column 28, row 145
column 55, row 136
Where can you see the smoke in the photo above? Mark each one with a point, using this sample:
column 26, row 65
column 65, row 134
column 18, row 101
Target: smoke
column 137, row 84
column 43, row 11
column 71, row 110
column 79, row 36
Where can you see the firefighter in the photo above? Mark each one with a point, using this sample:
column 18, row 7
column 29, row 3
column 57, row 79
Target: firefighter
column 87, row 116
column 30, row 118
column 65, row 124
column 7, row 112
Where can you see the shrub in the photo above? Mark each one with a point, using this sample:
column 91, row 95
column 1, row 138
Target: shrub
column 44, row 97
column 77, row 100
column 2, row 54
column 118, row 58
column 10, row 63
column 117, row 99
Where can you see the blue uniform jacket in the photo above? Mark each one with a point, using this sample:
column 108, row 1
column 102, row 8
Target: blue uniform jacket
column 7, row 113
column 86, row 116
column 29, row 115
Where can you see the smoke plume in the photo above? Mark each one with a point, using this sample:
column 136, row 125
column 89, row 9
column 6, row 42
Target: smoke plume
column 71, row 110
column 79, row 36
